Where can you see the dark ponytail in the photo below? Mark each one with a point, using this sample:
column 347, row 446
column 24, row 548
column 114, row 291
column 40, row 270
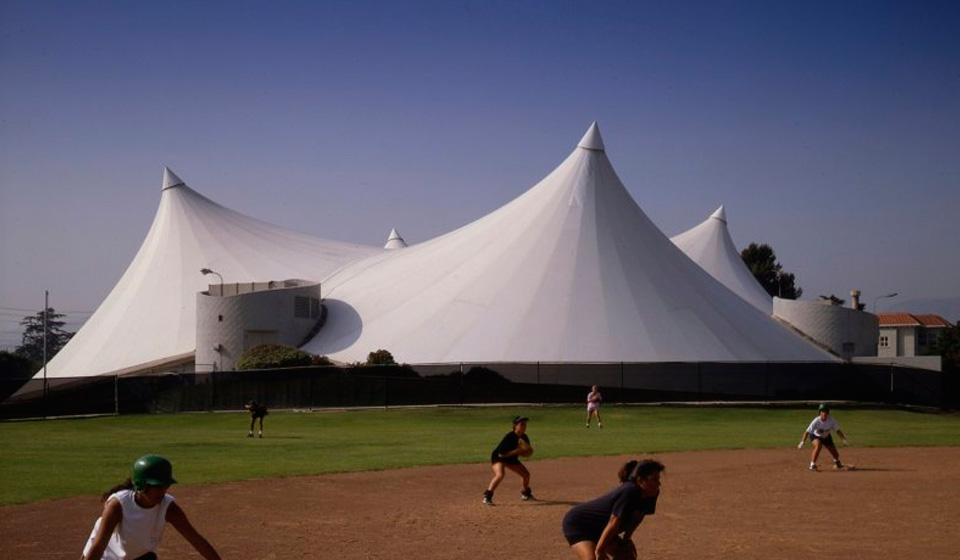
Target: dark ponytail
column 632, row 470
column 125, row 485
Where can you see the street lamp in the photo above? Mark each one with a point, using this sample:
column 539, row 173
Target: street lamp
column 881, row 297
column 206, row 271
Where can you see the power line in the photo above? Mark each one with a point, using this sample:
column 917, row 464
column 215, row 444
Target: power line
column 34, row 311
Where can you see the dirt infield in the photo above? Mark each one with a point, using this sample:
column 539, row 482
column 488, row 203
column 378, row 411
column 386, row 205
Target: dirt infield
column 898, row 503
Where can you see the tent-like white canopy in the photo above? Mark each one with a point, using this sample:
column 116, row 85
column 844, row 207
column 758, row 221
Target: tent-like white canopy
column 572, row 270
column 150, row 316
column 709, row 245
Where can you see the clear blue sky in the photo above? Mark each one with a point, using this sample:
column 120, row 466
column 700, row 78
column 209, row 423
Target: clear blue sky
column 830, row 130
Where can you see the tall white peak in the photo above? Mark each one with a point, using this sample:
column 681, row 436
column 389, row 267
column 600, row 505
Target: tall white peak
column 592, row 140
column 720, row 214
column 170, row 179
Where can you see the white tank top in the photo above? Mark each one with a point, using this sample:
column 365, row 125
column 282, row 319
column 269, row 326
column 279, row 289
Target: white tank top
column 138, row 533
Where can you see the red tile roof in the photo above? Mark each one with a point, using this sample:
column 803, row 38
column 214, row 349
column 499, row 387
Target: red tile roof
column 909, row 320
column 933, row 321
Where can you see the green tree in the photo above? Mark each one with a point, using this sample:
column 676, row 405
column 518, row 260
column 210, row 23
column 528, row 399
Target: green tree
column 272, row 356
column 15, row 371
column 762, row 262
column 381, row 358
column 33, row 330
column 949, row 349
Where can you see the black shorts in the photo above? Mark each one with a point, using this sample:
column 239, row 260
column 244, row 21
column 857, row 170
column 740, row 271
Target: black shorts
column 574, row 538
column 825, row 440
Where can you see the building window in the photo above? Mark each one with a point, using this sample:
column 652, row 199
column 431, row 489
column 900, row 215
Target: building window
column 884, row 341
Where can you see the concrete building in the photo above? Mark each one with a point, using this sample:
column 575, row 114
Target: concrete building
column 847, row 332
column 249, row 314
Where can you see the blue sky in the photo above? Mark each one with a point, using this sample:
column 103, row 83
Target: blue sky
column 829, row 130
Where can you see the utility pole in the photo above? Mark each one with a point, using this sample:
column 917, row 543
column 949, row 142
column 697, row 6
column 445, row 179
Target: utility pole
column 46, row 328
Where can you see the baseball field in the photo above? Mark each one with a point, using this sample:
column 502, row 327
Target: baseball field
column 408, row 483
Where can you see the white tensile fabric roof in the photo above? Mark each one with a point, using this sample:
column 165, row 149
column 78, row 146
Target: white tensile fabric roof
column 709, row 245
column 572, row 270
column 150, row 316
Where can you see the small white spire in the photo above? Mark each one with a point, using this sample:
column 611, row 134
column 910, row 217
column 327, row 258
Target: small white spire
column 394, row 241
column 720, row 214
column 170, row 179
column 592, row 140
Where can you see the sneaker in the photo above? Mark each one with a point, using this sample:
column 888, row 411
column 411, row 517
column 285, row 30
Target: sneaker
column 588, row 424
column 487, row 498
column 527, row 495
column 837, row 465
column 813, row 467
column 600, row 426
column 261, row 434
column 250, row 434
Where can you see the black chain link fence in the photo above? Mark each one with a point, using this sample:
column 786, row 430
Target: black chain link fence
column 465, row 384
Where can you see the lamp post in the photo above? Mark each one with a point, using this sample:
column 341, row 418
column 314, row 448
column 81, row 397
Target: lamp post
column 881, row 297
column 206, row 271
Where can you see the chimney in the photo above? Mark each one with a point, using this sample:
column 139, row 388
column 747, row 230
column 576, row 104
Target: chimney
column 855, row 299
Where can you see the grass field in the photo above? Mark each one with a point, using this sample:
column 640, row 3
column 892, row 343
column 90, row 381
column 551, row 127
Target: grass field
column 58, row 458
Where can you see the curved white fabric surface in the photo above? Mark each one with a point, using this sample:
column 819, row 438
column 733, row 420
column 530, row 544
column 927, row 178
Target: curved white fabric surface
column 709, row 245
column 150, row 315
column 572, row 270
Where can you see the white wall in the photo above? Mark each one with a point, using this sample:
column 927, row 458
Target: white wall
column 833, row 326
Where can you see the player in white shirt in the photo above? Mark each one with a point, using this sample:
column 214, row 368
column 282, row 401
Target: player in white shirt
column 820, row 433
column 135, row 513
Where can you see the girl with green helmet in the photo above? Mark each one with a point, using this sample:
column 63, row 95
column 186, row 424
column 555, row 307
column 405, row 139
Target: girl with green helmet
column 144, row 507
column 819, row 432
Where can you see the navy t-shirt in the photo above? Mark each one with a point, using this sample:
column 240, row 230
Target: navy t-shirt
column 509, row 442
column 588, row 520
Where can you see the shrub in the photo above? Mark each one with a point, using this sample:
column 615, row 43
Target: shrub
column 381, row 358
column 317, row 360
column 269, row 356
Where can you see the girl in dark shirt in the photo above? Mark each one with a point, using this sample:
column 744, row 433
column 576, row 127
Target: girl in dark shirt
column 507, row 455
column 598, row 529
column 257, row 411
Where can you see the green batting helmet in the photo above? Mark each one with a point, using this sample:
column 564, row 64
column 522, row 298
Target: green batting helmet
column 823, row 407
column 152, row 470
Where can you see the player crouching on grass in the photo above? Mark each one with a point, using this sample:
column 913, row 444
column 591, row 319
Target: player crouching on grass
column 507, row 455
column 135, row 513
column 819, row 433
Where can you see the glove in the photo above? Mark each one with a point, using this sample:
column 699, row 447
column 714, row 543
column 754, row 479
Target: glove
column 800, row 445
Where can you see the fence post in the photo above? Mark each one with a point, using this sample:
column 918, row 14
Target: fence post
column 699, row 383
column 891, row 382
column 386, row 391
column 116, row 395
column 460, row 389
column 539, row 389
